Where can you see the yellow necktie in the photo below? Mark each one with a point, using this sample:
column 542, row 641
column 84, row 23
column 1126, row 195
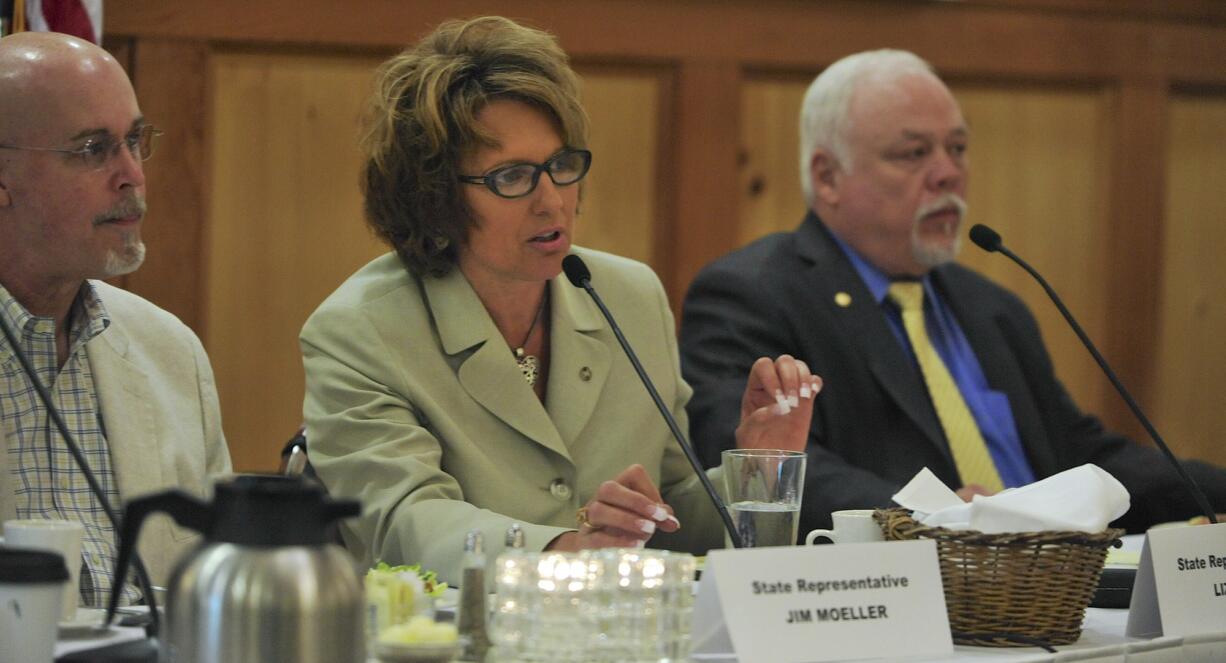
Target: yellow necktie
column 970, row 453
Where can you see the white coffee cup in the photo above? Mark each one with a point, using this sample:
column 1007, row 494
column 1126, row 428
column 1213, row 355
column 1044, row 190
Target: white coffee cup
column 61, row 536
column 30, row 597
column 850, row 526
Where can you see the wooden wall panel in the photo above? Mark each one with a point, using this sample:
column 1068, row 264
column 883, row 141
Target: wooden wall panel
column 173, row 274
column 1134, row 244
column 1036, row 176
column 771, row 196
column 961, row 37
column 285, row 228
column 704, row 122
column 618, row 213
column 1191, row 353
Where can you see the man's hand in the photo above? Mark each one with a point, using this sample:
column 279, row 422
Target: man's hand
column 969, row 491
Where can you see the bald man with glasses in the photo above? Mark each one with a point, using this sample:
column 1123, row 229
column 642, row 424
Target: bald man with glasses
column 132, row 381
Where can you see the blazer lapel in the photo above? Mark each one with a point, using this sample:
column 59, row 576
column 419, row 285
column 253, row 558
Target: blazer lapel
column 866, row 325
column 128, row 415
column 489, row 374
column 579, row 364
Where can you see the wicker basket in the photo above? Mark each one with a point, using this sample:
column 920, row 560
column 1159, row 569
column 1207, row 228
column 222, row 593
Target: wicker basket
column 1011, row 590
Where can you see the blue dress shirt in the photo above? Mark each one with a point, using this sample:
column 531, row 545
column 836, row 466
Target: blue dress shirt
column 989, row 407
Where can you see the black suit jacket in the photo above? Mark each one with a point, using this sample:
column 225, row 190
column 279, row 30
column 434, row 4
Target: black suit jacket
column 874, row 426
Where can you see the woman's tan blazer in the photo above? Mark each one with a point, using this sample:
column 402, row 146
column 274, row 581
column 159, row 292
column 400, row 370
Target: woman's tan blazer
column 415, row 406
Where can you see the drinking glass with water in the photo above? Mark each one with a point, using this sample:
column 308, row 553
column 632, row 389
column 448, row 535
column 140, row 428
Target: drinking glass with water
column 764, row 489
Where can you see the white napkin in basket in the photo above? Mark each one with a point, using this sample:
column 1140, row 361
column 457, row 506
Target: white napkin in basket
column 1083, row 499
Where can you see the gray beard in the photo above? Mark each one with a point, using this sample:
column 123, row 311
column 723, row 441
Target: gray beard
column 931, row 256
column 125, row 260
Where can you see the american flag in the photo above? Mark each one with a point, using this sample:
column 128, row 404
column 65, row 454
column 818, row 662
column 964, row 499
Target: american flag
column 80, row 18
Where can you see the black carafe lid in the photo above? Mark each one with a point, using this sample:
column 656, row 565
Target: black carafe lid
column 267, row 510
column 248, row 510
column 24, row 566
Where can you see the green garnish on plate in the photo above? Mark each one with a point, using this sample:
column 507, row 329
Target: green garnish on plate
column 429, row 579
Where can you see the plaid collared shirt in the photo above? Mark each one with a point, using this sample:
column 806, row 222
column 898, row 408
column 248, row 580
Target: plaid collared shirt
column 46, row 480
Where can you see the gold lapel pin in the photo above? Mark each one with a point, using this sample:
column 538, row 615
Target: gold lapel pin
column 842, row 299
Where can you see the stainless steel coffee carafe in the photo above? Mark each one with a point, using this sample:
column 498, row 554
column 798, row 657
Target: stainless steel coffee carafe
column 266, row 584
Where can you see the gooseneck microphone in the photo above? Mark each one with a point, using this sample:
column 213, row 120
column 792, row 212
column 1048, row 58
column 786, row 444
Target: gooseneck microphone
column 989, row 240
column 142, row 575
column 581, row 277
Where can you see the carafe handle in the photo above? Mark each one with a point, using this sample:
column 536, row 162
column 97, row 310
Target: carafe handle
column 186, row 510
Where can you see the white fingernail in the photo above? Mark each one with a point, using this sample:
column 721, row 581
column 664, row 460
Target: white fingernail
column 640, row 544
column 660, row 515
column 804, row 392
column 793, row 400
column 782, row 407
column 781, row 399
column 647, row 526
column 675, row 521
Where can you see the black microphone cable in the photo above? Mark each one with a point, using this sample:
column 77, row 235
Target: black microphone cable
column 581, row 277
column 142, row 575
column 989, row 240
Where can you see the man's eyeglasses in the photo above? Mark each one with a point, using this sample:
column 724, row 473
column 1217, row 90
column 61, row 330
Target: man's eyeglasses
column 96, row 153
column 520, row 179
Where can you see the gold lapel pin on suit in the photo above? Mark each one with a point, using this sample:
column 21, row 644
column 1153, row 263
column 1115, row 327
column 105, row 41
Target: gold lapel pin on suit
column 842, row 299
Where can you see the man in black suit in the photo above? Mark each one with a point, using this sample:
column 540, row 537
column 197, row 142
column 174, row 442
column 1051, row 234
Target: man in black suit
column 883, row 159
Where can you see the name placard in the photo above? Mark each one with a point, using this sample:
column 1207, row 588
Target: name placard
column 1181, row 582
column 806, row 604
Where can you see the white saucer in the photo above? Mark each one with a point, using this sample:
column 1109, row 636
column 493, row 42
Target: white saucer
column 87, row 621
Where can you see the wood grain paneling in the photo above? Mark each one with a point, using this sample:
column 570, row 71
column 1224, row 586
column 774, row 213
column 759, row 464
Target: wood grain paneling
column 1133, row 246
column 702, row 134
column 1190, row 351
column 619, row 209
column 285, row 229
column 771, row 196
column 173, row 274
column 962, row 38
column 1037, row 178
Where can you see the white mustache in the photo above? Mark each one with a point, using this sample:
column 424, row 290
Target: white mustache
column 945, row 201
column 133, row 206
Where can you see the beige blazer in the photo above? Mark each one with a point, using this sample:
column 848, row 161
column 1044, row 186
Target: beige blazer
column 415, row 406
column 159, row 407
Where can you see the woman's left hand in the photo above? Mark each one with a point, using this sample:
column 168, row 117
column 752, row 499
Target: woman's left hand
column 777, row 405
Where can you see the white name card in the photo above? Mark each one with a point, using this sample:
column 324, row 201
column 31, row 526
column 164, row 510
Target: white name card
column 805, row 604
column 1181, row 583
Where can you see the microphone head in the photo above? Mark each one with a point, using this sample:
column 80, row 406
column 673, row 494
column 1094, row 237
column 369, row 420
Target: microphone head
column 576, row 271
column 985, row 238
